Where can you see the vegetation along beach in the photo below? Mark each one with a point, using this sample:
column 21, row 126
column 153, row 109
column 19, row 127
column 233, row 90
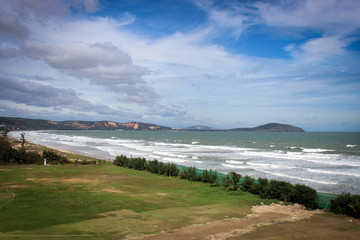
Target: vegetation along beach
column 179, row 119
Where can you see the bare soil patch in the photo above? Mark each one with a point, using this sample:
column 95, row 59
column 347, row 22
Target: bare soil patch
column 225, row 229
column 113, row 177
column 112, row 190
column 65, row 180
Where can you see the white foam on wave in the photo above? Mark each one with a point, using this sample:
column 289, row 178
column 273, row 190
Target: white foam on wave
column 316, row 150
column 236, row 162
column 236, row 166
column 293, row 147
column 298, row 178
column 333, row 172
column 269, row 165
column 351, row 146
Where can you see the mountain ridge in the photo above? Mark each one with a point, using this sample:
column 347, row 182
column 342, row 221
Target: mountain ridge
column 21, row 124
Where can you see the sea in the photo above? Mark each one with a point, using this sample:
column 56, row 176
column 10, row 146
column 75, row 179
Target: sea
column 327, row 162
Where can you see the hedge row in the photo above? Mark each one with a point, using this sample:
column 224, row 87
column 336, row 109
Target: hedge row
column 272, row 189
column 155, row 166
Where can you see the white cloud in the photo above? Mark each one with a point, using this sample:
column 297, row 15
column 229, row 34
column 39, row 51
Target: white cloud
column 339, row 16
column 320, row 49
column 102, row 63
column 233, row 17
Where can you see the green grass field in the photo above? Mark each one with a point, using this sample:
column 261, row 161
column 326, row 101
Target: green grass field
column 103, row 201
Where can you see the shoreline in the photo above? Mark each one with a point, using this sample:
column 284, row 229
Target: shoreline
column 323, row 199
column 111, row 159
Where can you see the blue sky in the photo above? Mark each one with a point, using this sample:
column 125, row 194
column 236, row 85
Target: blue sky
column 178, row 63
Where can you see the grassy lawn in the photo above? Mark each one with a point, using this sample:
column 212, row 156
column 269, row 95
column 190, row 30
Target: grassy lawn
column 103, row 201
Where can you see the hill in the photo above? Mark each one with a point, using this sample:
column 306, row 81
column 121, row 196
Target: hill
column 22, row 124
column 199, row 128
column 39, row 124
column 271, row 127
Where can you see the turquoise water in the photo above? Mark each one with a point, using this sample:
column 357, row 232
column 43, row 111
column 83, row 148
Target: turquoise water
column 329, row 162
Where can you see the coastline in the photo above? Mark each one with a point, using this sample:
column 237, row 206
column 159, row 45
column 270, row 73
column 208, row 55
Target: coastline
column 323, row 200
column 258, row 155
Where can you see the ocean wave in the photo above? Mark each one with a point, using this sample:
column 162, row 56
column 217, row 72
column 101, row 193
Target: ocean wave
column 299, row 178
column 235, row 166
column 316, row 150
column 351, row 146
column 334, row 172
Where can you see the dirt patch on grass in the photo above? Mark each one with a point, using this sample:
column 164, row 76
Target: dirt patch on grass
column 112, row 190
column 18, row 186
column 113, row 177
column 224, row 229
column 161, row 194
column 80, row 180
column 65, row 180
column 291, row 213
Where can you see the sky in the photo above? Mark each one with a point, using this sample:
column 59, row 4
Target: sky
column 179, row 63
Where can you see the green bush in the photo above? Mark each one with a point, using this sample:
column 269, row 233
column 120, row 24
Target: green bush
column 121, row 161
column 190, row 174
column 209, row 176
column 6, row 151
column 278, row 190
column 260, row 187
column 304, row 195
column 21, row 156
column 231, row 181
column 153, row 166
column 247, row 184
column 53, row 158
column 138, row 163
column 348, row 204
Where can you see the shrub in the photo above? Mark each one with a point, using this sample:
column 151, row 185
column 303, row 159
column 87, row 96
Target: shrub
column 260, row 187
column 6, row 151
column 173, row 170
column 226, row 181
column 278, row 190
column 231, row 182
column 247, row 184
column 138, row 163
column 190, row 174
column 53, row 158
column 304, row 195
column 348, row 204
column 153, row 166
column 121, row 161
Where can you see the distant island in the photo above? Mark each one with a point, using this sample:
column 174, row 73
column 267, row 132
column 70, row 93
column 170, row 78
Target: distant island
column 271, row 127
column 23, row 124
column 198, row 128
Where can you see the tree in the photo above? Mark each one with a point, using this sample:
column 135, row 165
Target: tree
column 247, row 184
column 231, row 182
column 54, row 158
column 22, row 139
column 304, row 195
